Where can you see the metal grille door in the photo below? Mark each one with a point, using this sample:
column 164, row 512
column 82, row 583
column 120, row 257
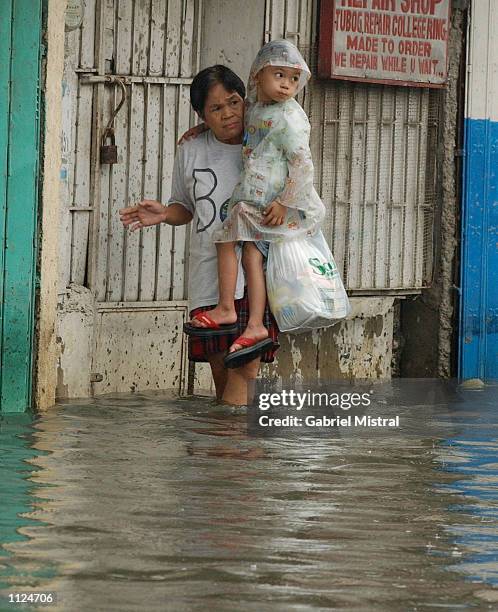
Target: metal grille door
column 138, row 279
column 149, row 46
column 375, row 148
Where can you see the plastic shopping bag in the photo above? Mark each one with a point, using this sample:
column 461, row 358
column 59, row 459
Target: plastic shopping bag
column 305, row 290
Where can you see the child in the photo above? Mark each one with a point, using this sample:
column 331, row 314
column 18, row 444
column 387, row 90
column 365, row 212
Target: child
column 274, row 199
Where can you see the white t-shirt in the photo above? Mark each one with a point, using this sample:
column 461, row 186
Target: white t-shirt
column 205, row 173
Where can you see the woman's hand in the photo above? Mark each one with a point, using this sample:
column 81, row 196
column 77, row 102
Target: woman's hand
column 195, row 131
column 144, row 214
column 274, row 213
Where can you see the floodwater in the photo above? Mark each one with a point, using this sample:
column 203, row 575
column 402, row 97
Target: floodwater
column 147, row 502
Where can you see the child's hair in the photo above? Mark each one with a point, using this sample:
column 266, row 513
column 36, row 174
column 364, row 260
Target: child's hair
column 205, row 79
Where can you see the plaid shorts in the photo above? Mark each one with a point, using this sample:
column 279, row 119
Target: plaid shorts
column 199, row 348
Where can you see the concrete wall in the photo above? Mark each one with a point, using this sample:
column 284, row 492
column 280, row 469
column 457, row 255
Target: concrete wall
column 47, row 352
column 76, row 321
column 356, row 348
column 119, row 347
column 359, row 347
column 224, row 41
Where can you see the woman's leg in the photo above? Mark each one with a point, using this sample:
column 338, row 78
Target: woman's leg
column 252, row 260
column 232, row 386
column 238, row 388
column 219, row 373
column 224, row 312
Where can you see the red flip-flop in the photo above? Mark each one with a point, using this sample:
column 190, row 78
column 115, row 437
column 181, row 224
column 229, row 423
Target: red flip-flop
column 252, row 349
column 212, row 328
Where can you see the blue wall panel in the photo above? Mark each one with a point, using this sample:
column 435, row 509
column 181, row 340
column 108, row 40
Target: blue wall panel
column 479, row 253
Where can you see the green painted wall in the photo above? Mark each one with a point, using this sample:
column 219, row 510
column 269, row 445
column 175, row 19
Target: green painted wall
column 20, row 44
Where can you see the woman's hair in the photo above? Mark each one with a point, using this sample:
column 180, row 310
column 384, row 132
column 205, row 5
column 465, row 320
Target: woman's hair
column 205, row 79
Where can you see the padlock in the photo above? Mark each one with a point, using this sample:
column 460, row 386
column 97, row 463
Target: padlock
column 108, row 152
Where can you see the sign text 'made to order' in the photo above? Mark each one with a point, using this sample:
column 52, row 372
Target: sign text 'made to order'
column 385, row 41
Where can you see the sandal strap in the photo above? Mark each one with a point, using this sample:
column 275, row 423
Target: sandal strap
column 203, row 317
column 246, row 342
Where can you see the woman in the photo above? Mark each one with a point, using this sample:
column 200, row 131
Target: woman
column 205, row 172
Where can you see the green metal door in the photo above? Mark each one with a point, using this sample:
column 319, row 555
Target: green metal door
column 20, row 44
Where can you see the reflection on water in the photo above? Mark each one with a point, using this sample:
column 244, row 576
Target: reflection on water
column 15, row 488
column 473, row 456
column 146, row 502
column 17, row 493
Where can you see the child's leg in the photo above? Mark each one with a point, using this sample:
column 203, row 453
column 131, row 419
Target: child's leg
column 224, row 312
column 227, row 278
column 252, row 260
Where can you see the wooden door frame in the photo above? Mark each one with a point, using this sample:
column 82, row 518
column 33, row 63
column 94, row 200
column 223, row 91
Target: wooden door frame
column 20, row 53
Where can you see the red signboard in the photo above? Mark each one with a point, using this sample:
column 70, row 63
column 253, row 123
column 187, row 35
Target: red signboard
column 400, row 42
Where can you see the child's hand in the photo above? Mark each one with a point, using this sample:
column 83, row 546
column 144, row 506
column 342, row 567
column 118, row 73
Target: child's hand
column 195, row 131
column 274, row 213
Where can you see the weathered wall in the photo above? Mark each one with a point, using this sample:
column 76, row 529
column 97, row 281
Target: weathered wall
column 358, row 347
column 230, row 44
column 46, row 356
column 428, row 323
column 118, row 347
column 76, row 321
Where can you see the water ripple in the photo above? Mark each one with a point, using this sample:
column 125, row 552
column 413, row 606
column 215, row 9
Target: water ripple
column 145, row 502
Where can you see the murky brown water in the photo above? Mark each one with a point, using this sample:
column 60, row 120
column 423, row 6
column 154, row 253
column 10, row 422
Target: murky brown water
column 145, row 502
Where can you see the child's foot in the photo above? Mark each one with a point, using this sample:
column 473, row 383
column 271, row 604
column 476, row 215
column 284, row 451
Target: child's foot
column 252, row 332
column 220, row 315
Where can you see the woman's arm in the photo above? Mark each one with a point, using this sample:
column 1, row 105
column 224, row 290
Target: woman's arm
column 151, row 212
column 193, row 132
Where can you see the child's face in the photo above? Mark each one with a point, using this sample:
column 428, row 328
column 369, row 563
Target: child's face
column 277, row 83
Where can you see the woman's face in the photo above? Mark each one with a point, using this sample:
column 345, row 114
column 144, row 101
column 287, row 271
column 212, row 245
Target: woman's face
column 224, row 114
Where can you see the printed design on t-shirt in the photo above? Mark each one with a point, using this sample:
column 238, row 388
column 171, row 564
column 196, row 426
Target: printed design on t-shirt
column 204, row 197
column 254, row 134
column 224, row 210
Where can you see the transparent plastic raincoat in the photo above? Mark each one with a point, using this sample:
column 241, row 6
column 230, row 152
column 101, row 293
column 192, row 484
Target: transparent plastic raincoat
column 277, row 161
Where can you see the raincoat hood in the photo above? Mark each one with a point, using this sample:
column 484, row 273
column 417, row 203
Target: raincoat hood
column 278, row 53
